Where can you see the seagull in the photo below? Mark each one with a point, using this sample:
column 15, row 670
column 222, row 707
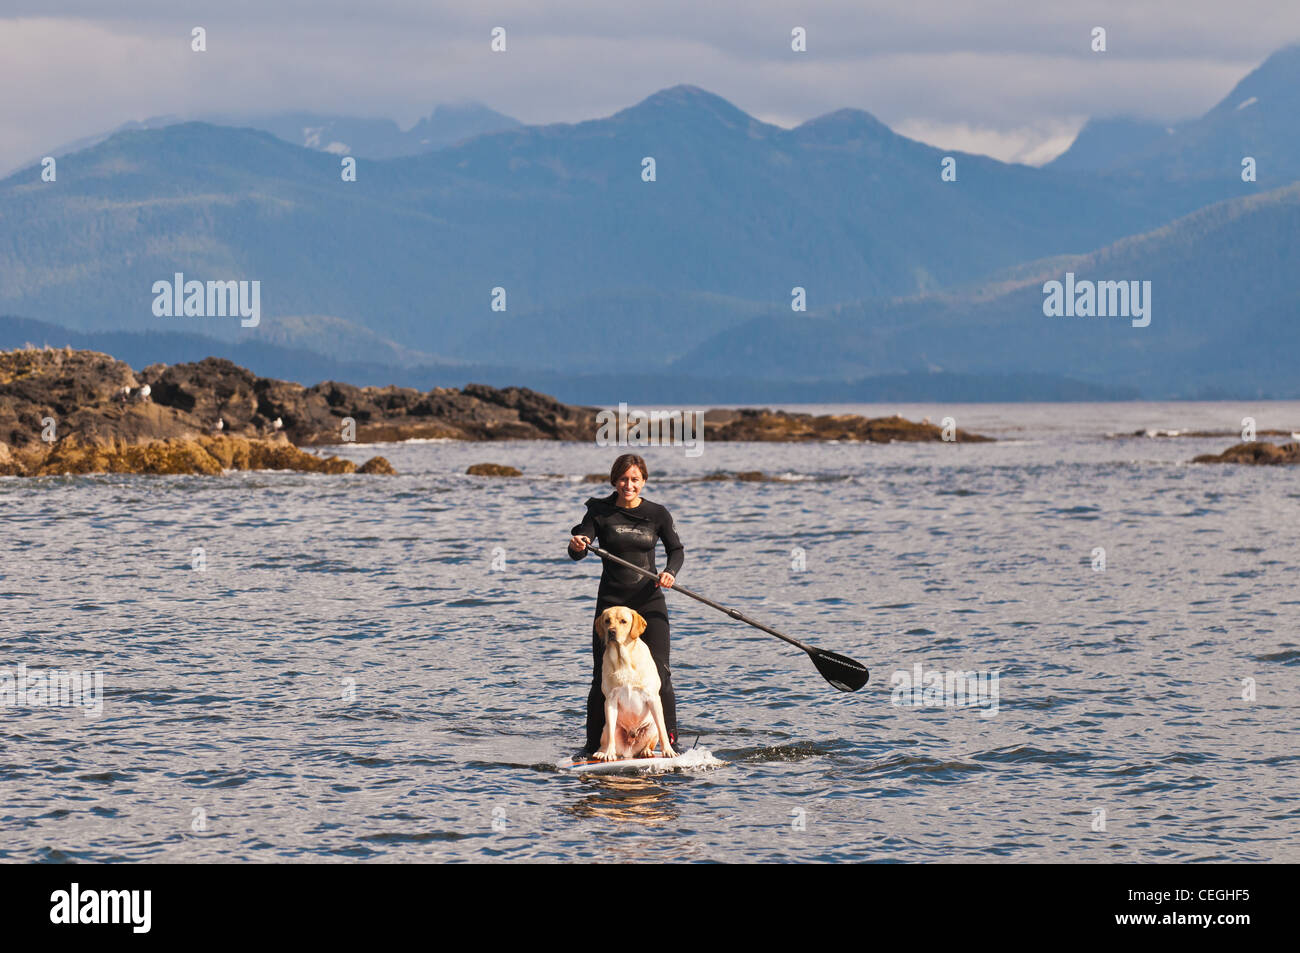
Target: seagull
column 144, row 392
column 221, row 424
column 277, row 423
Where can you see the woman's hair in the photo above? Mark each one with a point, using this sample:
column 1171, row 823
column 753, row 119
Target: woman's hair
column 623, row 463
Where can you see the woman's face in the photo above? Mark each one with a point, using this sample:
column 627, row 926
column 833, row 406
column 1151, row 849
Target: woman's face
column 629, row 484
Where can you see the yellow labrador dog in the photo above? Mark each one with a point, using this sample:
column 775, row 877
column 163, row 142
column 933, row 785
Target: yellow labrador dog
column 634, row 716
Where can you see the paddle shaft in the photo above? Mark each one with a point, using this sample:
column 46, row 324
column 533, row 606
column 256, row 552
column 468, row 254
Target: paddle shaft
column 708, row 602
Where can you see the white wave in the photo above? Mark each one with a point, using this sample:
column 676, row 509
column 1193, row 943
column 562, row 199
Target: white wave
column 695, row 758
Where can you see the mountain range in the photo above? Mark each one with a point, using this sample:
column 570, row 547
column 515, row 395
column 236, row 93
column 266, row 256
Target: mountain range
column 1258, row 118
column 342, row 135
column 913, row 284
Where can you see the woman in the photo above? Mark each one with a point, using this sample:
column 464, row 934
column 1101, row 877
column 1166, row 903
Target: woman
column 628, row 527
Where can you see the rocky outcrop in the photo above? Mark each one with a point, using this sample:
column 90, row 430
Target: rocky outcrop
column 1198, row 433
column 378, row 466
column 216, row 388
column 779, row 425
column 315, row 415
column 1256, row 452
column 494, row 470
column 48, row 395
column 70, row 412
column 82, row 392
column 205, row 455
column 10, row 465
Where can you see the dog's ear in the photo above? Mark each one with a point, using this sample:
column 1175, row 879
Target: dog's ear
column 595, row 628
column 638, row 624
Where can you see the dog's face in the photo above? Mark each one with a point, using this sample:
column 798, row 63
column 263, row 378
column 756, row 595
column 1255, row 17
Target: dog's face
column 620, row 624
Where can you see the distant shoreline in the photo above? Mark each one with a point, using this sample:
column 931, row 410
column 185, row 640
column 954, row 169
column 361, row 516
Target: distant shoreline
column 68, row 411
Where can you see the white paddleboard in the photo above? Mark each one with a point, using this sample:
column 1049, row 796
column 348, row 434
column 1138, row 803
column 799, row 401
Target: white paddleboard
column 695, row 758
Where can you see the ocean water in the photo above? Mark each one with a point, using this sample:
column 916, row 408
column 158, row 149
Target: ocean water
column 387, row 669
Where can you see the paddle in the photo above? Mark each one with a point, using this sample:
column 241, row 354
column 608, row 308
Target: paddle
column 842, row 672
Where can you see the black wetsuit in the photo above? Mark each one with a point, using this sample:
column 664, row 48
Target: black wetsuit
column 631, row 535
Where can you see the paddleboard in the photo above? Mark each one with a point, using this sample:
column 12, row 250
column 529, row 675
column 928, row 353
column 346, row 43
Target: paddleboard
column 695, row 758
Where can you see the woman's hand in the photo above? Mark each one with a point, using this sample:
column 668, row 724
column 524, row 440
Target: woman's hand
column 666, row 580
column 578, row 543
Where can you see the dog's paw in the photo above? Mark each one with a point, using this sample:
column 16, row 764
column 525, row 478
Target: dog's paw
column 669, row 752
column 605, row 756
column 647, row 752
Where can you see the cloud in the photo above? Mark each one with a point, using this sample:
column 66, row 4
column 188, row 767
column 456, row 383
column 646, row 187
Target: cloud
column 1030, row 145
column 995, row 73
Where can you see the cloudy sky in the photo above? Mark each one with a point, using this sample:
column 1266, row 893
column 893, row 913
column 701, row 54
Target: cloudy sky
column 1010, row 78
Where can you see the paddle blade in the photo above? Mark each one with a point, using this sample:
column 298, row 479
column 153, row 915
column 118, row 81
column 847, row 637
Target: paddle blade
column 841, row 671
